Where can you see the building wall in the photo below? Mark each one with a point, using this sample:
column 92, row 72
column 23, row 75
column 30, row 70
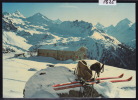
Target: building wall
column 63, row 55
column 47, row 53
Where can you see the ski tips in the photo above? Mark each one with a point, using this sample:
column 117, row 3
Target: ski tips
column 54, row 85
column 129, row 79
column 121, row 75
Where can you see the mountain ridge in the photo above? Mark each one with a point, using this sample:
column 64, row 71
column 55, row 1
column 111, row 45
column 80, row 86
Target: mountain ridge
column 101, row 46
column 124, row 31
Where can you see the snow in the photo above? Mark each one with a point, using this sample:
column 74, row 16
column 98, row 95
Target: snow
column 98, row 36
column 17, row 21
column 11, row 39
column 17, row 14
column 15, row 72
column 99, row 26
column 118, row 90
column 124, row 31
column 39, row 19
column 105, row 37
column 108, row 90
column 107, row 40
column 67, row 35
column 44, row 82
column 33, row 31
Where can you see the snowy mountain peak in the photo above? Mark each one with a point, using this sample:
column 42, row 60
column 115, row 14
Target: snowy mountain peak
column 99, row 25
column 58, row 21
column 39, row 19
column 17, row 14
column 5, row 13
column 124, row 23
column 126, row 20
column 104, row 38
column 133, row 25
column 40, row 16
column 111, row 26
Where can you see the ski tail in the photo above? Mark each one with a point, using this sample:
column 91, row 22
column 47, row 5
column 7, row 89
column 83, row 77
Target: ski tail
column 67, row 87
column 65, row 84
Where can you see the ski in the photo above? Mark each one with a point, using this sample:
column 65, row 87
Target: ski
column 90, row 83
column 120, row 76
column 69, row 83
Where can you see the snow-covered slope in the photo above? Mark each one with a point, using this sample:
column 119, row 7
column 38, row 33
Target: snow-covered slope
column 101, row 47
column 17, row 77
column 52, row 76
column 100, row 27
column 8, row 25
column 124, row 31
column 17, row 43
column 40, row 84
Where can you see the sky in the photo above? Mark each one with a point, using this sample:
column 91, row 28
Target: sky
column 89, row 12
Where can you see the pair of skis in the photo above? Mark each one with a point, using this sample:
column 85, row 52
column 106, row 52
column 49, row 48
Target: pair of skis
column 89, row 82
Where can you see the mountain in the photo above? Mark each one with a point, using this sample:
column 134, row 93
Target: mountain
column 58, row 21
column 38, row 31
column 124, row 31
column 72, row 28
column 109, row 29
column 16, row 14
column 123, row 25
column 16, row 18
column 8, row 25
column 39, row 19
column 100, row 27
column 4, row 14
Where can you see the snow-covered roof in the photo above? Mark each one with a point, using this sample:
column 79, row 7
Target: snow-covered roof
column 51, row 47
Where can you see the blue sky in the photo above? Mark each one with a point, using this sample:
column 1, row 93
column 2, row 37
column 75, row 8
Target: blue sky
column 90, row 12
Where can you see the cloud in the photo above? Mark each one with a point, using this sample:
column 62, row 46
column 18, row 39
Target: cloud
column 69, row 6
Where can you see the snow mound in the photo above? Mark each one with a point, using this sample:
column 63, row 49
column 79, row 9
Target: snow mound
column 107, row 89
column 40, row 84
column 43, row 94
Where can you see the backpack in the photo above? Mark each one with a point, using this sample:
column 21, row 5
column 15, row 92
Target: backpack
column 82, row 70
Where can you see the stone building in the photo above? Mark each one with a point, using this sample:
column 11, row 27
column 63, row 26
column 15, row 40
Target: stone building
column 64, row 54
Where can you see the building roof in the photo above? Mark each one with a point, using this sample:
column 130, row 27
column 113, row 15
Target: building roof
column 51, row 47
